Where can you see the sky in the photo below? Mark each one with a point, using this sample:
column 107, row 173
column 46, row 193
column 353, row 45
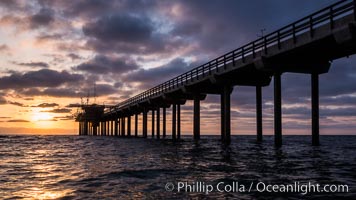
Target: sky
column 53, row 52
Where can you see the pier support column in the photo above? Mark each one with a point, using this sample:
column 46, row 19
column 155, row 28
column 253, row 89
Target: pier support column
column 196, row 123
column 144, row 124
column 103, row 128
column 129, row 126
column 164, row 122
column 120, row 125
column 226, row 115
column 116, row 127
column 259, row 112
column 106, row 128
column 153, row 123
column 158, row 123
column 80, row 128
column 85, row 128
column 112, row 127
column 123, row 129
column 178, row 122
column 222, row 118
column 95, row 129
column 174, row 121
column 136, row 125
column 277, row 110
column 315, row 108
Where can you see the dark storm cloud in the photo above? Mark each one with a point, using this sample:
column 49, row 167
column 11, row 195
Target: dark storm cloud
column 40, row 78
column 33, row 64
column 103, row 64
column 81, row 8
column 105, row 89
column 71, row 92
column 54, row 92
column 10, row 4
column 159, row 74
column 188, row 28
column 128, row 33
column 92, row 9
column 120, row 28
column 43, row 18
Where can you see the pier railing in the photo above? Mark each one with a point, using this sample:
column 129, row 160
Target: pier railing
column 218, row 65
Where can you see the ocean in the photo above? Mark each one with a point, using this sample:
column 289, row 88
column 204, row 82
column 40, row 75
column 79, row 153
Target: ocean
column 89, row 167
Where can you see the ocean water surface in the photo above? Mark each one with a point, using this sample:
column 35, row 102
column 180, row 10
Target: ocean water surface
column 87, row 167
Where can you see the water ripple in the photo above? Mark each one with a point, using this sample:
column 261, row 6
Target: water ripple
column 72, row 167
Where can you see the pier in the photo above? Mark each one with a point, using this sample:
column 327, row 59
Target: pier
column 307, row 47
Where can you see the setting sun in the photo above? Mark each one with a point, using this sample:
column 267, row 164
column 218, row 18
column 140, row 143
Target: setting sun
column 41, row 116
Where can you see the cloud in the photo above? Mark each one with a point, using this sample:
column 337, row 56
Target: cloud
column 73, row 105
column 54, row 92
column 43, row 18
column 164, row 72
column 10, row 4
column 74, row 56
column 18, row 120
column 105, row 89
column 33, row 64
column 70, row 92
column 103, row 64
column 128, row 33
column 81, row 8
column 46, row 105
column 40, row 78
column 120, row 28
column 67, row 117
column 16, row 103
column 338, row 100
column 2, row 100
column 59, row 110
column 44, row 37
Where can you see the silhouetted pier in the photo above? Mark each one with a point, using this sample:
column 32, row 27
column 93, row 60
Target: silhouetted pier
column 306, row 46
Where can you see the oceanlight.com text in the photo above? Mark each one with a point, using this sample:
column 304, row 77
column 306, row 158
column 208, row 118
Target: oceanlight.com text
column 237, row 187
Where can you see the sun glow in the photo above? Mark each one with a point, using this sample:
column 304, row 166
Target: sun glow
column 41, row 116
